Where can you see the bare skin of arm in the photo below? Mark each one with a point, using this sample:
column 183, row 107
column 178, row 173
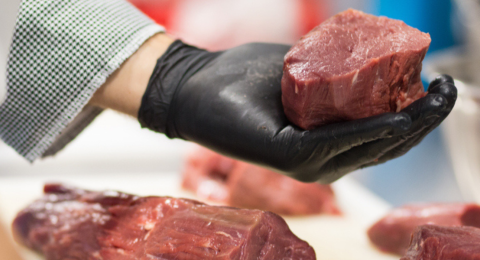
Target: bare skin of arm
column 123, row 90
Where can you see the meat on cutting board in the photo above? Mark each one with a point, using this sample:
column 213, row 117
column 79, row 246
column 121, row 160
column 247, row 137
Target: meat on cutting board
column 70, row 223
column 393, row 232
column 221, row 179
column 352, row 66
column 431, row 242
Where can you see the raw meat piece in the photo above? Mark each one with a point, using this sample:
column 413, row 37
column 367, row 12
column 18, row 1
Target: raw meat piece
column 432, row 242
column 352, row 66
column 77, row 224
column 393, row 232
column 218, row 178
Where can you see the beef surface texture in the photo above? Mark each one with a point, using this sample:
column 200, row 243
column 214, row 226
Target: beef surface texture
column 393, row 232
column 352, row 66
column 432, row 242
column 214, row 177
column 71, row 223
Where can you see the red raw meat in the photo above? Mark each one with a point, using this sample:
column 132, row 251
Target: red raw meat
column 352, row 66
column 393, row 232
column 218, row 178
column 432, row 242
column 78, row 224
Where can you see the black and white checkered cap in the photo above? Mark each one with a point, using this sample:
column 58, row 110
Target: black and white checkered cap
column 62, row 52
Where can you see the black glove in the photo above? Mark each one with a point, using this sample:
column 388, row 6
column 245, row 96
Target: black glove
column 231, row 103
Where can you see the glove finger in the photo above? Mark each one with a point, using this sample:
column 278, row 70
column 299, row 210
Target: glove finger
column 425, row 112
column 402, row 147
column 314, row 148
column 440, row 80
column 421, row 111
column 450, row 92
column 343, row 136
column 357, row 132
column 369, row 154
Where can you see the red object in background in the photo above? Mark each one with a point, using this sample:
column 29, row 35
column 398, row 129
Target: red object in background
column 393, row 233
column 214, row 177
column 432, row 242
column 161, row 11
column 210, row 32
column 313, row 12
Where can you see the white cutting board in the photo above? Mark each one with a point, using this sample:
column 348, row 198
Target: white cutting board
column 333, row 238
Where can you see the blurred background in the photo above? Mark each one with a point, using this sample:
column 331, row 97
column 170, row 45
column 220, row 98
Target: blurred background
column 442, row 168
column 115, row 143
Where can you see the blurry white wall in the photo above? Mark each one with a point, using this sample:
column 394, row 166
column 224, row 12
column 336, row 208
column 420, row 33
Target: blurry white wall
column 8, row 14
column 220, row 24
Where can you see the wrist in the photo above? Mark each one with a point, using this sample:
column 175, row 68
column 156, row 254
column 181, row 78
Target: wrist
column 124, row 89
column 172, row 71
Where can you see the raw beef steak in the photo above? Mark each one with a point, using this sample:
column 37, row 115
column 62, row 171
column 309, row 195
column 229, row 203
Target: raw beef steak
column 77, row 224
column 352, row 66
column 393, row 232
column 432, row 242
column 221, row 179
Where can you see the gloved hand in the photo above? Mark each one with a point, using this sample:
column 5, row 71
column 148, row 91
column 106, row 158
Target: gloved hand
column 231, row 103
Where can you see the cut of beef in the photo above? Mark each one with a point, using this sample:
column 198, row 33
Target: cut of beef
column 218, row 178
column 77, row 224
column 392, row 233
column 352, row 66
column 432, row 242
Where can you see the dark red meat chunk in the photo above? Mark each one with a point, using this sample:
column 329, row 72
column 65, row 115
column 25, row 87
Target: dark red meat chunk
column 393, row 232
column 221, row 179
column 77, row 224
column 352, row 66
column 432, row 242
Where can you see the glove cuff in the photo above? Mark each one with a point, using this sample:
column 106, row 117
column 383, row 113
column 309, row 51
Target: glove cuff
column 179, row 62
